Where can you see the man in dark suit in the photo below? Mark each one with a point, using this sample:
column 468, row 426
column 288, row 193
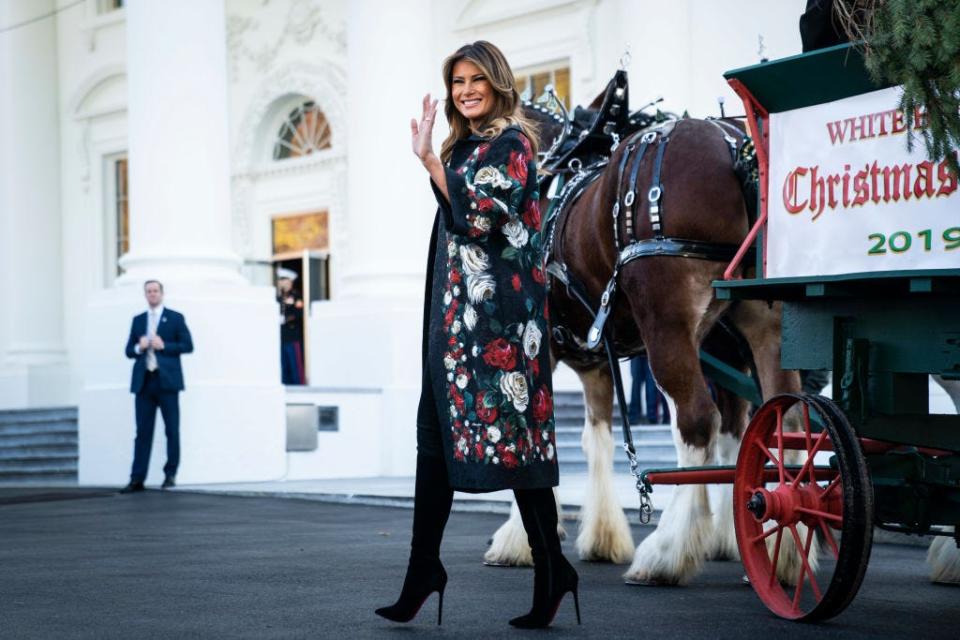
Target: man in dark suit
column 157, row 338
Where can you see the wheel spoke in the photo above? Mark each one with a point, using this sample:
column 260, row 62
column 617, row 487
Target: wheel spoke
column 805, row 570
column 821, row 514
column 776, row 555
column 807, row 435
column 830, row 487
column 776, row 461
column 811, row 454
column 766, row 534
column 780, row 444
column 829, row 536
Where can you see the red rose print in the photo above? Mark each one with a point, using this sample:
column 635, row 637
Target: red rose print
column 534, row 367
column 542, row 405
column 455, row 276
column 479, row 449
column 546, row 311
column 517, row 167
column 500, row 354
column 537, row 274
column 531, row 215
column 482, row 150
column 486, row 414
column 484, row 204
column 515, row 282
column 509, row 460
column 457, row 454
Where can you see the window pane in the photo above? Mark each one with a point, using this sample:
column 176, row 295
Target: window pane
column 540, row 81
column 561, row 83
column 123, row 210
column 303, row 132
column 522, row 88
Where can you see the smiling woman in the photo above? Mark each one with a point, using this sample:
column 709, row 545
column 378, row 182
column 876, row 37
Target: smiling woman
column 485, row 420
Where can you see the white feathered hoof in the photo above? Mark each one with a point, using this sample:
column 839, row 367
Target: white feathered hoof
column 605, row 537
column 723, row 543
column 676, row 551
column 665, row 560
column 944, row 560
column 509, row 547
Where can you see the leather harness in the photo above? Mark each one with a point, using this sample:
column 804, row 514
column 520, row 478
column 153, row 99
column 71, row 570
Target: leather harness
column 632, row 248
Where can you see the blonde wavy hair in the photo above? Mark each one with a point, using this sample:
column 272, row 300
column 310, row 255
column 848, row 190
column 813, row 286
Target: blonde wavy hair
column 507, row 108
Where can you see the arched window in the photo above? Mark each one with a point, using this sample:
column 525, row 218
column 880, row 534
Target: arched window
column 304, row 131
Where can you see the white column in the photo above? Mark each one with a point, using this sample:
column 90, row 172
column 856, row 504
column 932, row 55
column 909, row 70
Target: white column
column 365, row 344
column 390, row 67
column 179, row 163
column 33, row 366
column 232, row 425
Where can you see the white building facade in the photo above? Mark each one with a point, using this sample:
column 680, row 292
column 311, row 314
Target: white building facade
column 190, row 140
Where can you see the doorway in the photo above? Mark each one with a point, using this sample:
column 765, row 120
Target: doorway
column 301, row 254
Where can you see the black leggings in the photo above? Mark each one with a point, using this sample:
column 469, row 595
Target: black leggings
column 429, row 441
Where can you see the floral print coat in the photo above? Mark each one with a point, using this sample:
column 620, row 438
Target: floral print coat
column 486, row 341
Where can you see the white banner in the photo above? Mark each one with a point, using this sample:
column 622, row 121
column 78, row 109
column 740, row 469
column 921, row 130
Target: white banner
column 845, row 196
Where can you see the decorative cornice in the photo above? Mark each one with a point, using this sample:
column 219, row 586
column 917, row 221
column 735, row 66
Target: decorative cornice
column 304, row 20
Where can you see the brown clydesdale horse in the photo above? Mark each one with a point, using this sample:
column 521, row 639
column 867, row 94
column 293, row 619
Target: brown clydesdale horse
column 666, row 305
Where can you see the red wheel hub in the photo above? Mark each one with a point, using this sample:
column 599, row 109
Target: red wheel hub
column 788, row 504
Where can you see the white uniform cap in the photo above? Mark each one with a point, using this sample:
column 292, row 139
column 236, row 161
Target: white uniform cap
column 286, row 273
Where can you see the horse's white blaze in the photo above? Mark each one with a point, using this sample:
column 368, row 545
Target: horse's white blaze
column 724, row 535
column 944, row 560
column 676, row 550
column 604, row 531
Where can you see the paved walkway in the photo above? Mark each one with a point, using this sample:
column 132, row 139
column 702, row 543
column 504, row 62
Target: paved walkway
column 177, row 565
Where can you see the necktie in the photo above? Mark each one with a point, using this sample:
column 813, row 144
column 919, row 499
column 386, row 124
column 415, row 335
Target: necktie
column 151, row 331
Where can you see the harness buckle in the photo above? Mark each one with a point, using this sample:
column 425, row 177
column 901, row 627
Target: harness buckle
column 605, row 298
column 649, row 137
column 575, row 165
column 628, row 199
column 616, row 209
column 654, row 195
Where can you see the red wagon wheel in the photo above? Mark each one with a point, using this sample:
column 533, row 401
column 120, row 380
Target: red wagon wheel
column 789, row 508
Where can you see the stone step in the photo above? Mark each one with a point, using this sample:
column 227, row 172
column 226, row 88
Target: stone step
column 47, row 465
column 658, row 456
column 60, row 438
column 37, row 479
column 38, row 446
column 25, row 416
column 38, row 426
column 640, row 434
column 53, row 452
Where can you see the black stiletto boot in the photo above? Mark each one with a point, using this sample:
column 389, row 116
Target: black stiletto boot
column 553, row 575
column 425, row 574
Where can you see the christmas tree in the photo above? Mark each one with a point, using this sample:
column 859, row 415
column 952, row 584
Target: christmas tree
column 916, row 44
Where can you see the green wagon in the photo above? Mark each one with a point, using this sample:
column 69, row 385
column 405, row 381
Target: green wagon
column 860, row 240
